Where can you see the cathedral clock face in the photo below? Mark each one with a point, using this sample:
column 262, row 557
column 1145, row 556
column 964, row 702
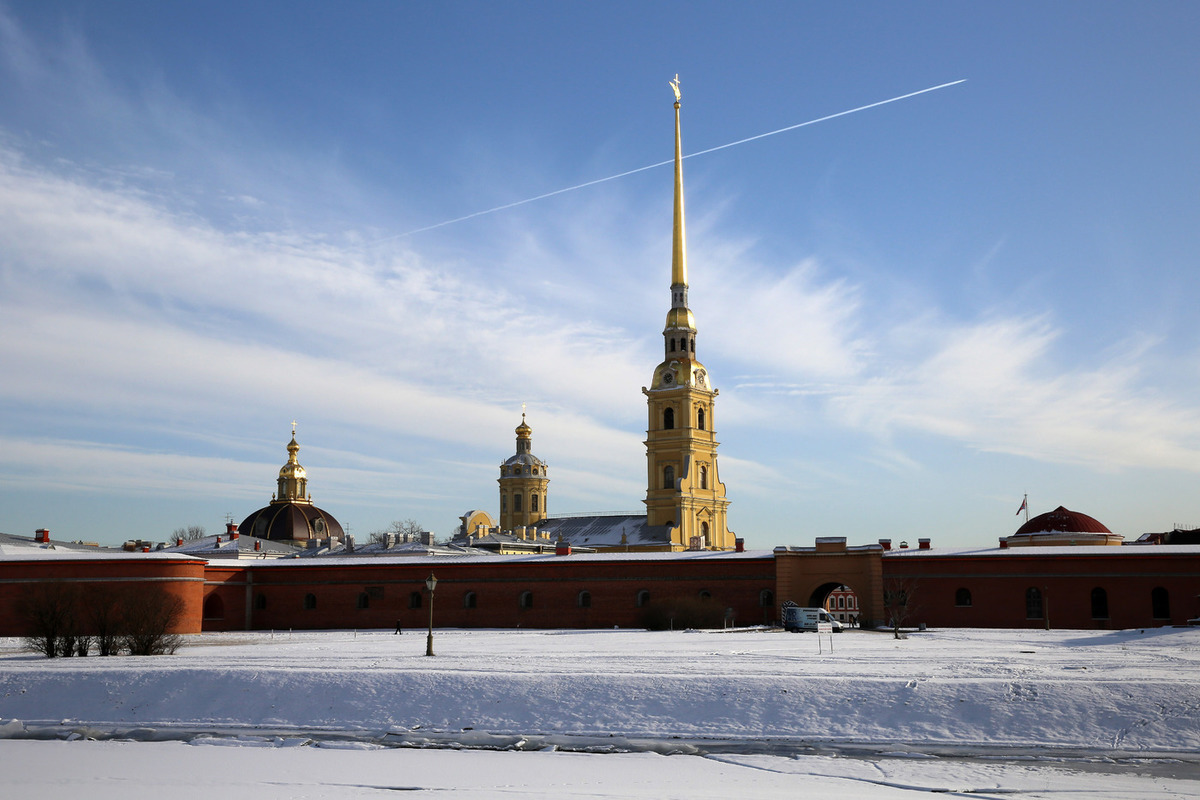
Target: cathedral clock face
column 668, row 377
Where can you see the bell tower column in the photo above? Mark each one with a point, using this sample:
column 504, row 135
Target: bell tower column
column 683, row 489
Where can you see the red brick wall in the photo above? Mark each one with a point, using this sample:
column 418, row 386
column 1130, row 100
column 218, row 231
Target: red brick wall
column 183, row 577
column 998, row 583
column 555, row 584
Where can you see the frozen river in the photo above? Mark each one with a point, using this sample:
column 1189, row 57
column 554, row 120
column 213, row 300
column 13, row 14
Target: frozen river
column 603, row 714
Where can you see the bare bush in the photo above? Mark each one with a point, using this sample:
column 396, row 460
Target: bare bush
column 899, row 601
column 148, row 615
column 103, row 615
column 48, row 611
column 62, row 621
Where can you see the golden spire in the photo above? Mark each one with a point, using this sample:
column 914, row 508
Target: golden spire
column 678, row 250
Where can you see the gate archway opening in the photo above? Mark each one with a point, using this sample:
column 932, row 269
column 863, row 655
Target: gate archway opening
column 840, row 600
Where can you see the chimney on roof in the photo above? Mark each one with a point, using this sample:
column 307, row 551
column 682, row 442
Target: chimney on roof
column 257, row 545
column 739, row 545
column 179, row 541
column 923, row 544
column 231, row 529
column 42, row 536
column 218, row 540
column 886, row 544
column 146, row 548
column 1003, row 543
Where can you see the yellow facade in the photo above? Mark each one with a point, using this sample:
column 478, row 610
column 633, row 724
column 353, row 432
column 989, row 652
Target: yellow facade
column 683, row 488
column 523, row 483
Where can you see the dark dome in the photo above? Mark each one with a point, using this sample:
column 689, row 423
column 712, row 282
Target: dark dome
column 1061, row 520
column 287, row 522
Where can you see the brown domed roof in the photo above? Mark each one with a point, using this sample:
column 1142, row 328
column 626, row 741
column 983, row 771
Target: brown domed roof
column 295, row 522
column 1061, row 520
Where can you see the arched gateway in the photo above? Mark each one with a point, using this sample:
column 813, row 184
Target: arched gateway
column 807, row 575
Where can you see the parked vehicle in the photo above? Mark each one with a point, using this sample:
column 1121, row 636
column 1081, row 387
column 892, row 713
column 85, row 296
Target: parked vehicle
column 797, row 619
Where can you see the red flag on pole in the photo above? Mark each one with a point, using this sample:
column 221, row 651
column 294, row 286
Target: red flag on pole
column 1024, row 505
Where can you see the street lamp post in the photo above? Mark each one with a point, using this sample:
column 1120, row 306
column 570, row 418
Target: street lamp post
column 431, row 584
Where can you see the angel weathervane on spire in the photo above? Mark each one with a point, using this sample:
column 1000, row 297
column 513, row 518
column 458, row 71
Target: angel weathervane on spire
column 675, row 87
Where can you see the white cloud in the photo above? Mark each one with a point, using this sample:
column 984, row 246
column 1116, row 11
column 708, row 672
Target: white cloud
column 994, row 386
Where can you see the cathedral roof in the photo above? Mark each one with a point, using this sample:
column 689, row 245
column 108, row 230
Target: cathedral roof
column 606, row 531
column 1061, row 520
column 291, row 516
column 291, row 522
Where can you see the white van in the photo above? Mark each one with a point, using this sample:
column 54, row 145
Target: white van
column 796, row 619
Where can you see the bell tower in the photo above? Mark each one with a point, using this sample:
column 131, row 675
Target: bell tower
column 523, row 484
column 683, row 489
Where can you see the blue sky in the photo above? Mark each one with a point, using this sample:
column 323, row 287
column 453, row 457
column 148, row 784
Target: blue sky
column 915, row 313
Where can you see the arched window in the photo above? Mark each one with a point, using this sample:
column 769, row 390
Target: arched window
column 700, row 419
column 962, row 597
column 683, row 345
column 705, row 594
column 703, row 475
column 526, row 600
column 260, row 602
column 517, row 502
column 585, row 599
column 1033, row 603
column 766, row 598
column 643, row 597
column 364, row 600
column 414, row 599
column 503, row 502
column 841, row 601
column 310, row 601
column 533, row 502
column 704, row 531
column 672, row 345
column 668, row 477
column 469, row 600
column 1160, row 603
column 693, row 343
column 214, row 607
column 1099, row 603
column 669, row 419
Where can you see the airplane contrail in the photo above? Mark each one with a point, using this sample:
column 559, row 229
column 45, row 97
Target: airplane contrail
column 668, row 161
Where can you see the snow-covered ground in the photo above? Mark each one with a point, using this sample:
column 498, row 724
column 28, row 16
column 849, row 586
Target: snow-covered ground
column 614, row 714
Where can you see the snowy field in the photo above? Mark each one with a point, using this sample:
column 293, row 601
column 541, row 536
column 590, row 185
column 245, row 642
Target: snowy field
column 608, row 714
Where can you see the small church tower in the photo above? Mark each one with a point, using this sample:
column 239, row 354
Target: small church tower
column 523, row 481
column 683, row 487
